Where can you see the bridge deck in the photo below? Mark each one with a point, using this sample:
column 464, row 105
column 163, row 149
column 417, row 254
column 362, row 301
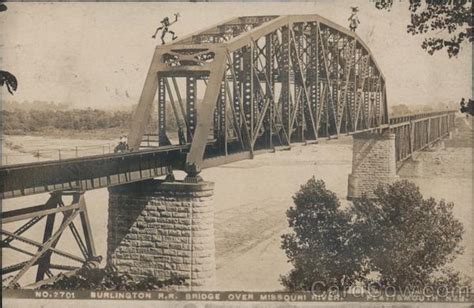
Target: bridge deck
column 99, row 171
column 87, row 173
column 414, row 132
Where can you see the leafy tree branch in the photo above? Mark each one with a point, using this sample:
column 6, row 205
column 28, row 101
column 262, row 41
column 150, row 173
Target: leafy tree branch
column 447, row 23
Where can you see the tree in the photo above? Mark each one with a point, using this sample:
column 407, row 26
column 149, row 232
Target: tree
column 7, row 78
column 407, row 240
column 320, row 248
column 448, row 22
column 401, row 109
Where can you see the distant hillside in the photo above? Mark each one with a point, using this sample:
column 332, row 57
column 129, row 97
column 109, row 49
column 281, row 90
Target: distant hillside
column 11, row 105
column 35, row 105
column 53, row 119
column 29, row 121
column 402, row 109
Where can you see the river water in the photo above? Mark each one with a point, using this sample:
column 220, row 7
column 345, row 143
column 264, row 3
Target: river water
column 251, row 198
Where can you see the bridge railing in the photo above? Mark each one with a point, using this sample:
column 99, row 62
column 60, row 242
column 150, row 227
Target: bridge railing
column 417, row 131
column 14, row 157
column 50, row 154
column 417, row 116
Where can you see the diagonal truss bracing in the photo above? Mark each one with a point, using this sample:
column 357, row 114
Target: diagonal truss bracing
column 41, row 254
column 258, row 82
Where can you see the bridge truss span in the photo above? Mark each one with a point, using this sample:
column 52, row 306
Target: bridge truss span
column 258, row 82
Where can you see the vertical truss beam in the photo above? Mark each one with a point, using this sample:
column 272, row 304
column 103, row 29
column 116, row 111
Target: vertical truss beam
column 248, row 87
column 269, row 86
column 237, row 89
column 205, row 111
column 238, row 97
column 191, row 89
column 285, row 81
column 220, row 122
column 43, row 263
column 163, row 137
column 313, row 77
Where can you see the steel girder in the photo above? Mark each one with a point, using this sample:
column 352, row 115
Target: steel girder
column 93, row 172
column 72, row 214
column 258, row 82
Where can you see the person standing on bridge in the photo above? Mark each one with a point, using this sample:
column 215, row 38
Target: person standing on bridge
column 469, row 109
column 354, row 19
column 122, row 147
column 165, row 23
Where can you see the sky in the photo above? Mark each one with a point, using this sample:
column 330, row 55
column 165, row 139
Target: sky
column 98, row 54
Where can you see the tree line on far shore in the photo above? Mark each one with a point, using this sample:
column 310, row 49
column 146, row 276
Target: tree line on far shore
column 28, row 121
column 22, row 119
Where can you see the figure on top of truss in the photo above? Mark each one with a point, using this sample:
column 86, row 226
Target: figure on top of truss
column 354, row 19
column 165, row 23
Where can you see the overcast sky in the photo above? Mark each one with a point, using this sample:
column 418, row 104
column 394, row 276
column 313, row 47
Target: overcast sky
column 97, row 54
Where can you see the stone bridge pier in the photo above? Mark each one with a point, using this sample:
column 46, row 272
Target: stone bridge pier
column 163, row 229
column 373, row 162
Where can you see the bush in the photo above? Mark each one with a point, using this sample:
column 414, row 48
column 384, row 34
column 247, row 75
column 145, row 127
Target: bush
column 109, row 279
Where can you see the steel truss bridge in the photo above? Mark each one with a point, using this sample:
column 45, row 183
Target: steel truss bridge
column 265, row 82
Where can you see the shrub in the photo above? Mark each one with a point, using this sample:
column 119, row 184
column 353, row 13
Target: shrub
column 109, row 279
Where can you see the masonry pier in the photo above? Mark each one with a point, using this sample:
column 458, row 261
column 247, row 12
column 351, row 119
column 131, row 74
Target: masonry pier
column 373, row 162
column 163, row 229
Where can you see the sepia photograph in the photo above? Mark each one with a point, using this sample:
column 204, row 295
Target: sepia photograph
column 228, row 154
